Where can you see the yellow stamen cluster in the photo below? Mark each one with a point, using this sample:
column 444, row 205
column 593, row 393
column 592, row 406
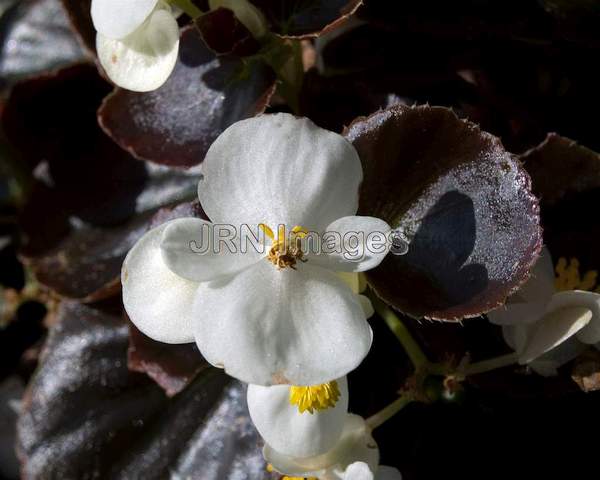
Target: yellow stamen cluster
column 285, row 252
column 569, row 278
column 315, row 397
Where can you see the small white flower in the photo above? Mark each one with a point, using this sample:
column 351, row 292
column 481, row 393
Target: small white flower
column 137, row 41
column 545, row 327
column 264, row 323
column 355, row 456
column 286, row 421
column 309, row 434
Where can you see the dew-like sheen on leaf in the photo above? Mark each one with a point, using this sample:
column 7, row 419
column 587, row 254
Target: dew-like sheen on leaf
column 176, row 124
column 85, row 415
column 463, row 202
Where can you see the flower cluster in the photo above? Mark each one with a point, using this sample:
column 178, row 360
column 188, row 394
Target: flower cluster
column 287, row 322
column 550, row 321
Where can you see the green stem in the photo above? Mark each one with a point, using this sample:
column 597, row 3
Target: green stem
column 412, row 348
column 491, row 364
column 188, row 7
column 388, row 412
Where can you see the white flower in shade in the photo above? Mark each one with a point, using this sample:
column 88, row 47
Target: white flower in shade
column 137, row 41
column 309, row 434
column 354, row 456
column 546, row 327
column 278, row 317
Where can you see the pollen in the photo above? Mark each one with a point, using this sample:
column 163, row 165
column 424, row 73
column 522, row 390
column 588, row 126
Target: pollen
column 315, row 397
column 285, row 252
column 568, row 277
column 270, row 469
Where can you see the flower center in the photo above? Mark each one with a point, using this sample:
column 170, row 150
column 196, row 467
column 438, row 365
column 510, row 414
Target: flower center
column 285, row 252
column 315, row 397
column 569, row 278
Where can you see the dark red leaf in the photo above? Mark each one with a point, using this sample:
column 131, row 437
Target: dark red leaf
column 92, row 200
column 170, row 366
column 176, row 124
column 306, row 18
column 223, row 33
column 566, row 177
column 559, row 167
column 85, row 415
column 79, row 13
column 462, row 201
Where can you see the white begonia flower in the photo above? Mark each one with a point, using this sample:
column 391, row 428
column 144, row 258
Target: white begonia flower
column 277, row 317
column 287, row 416
column 137, row 41
column 355, row 456
column 548, row 328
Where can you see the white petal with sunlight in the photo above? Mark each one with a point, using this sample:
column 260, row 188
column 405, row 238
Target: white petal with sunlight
column 157, row 301
column 191, row 248
column 118, row 18
column 280, row 169
column 267, row 326
column 354, row 244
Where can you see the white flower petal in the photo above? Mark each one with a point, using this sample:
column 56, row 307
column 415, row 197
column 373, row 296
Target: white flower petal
column 388, row 473
column 366, row 305
column 540, row 286
column 547, row 364
column 279, row 169
column 189, row 250
column 356, row 281
column 267, row 326
column 553, row 329
column 545, row 368
column 250, row 16
column 515, row 336
column 591, row 300
column 358, row 471
column 354, row 244
column 157, row 301
column 143, row 60
column 293, row 433
column 118, row 18
column 354, row 445
column 530, row 302
column 517, row 313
